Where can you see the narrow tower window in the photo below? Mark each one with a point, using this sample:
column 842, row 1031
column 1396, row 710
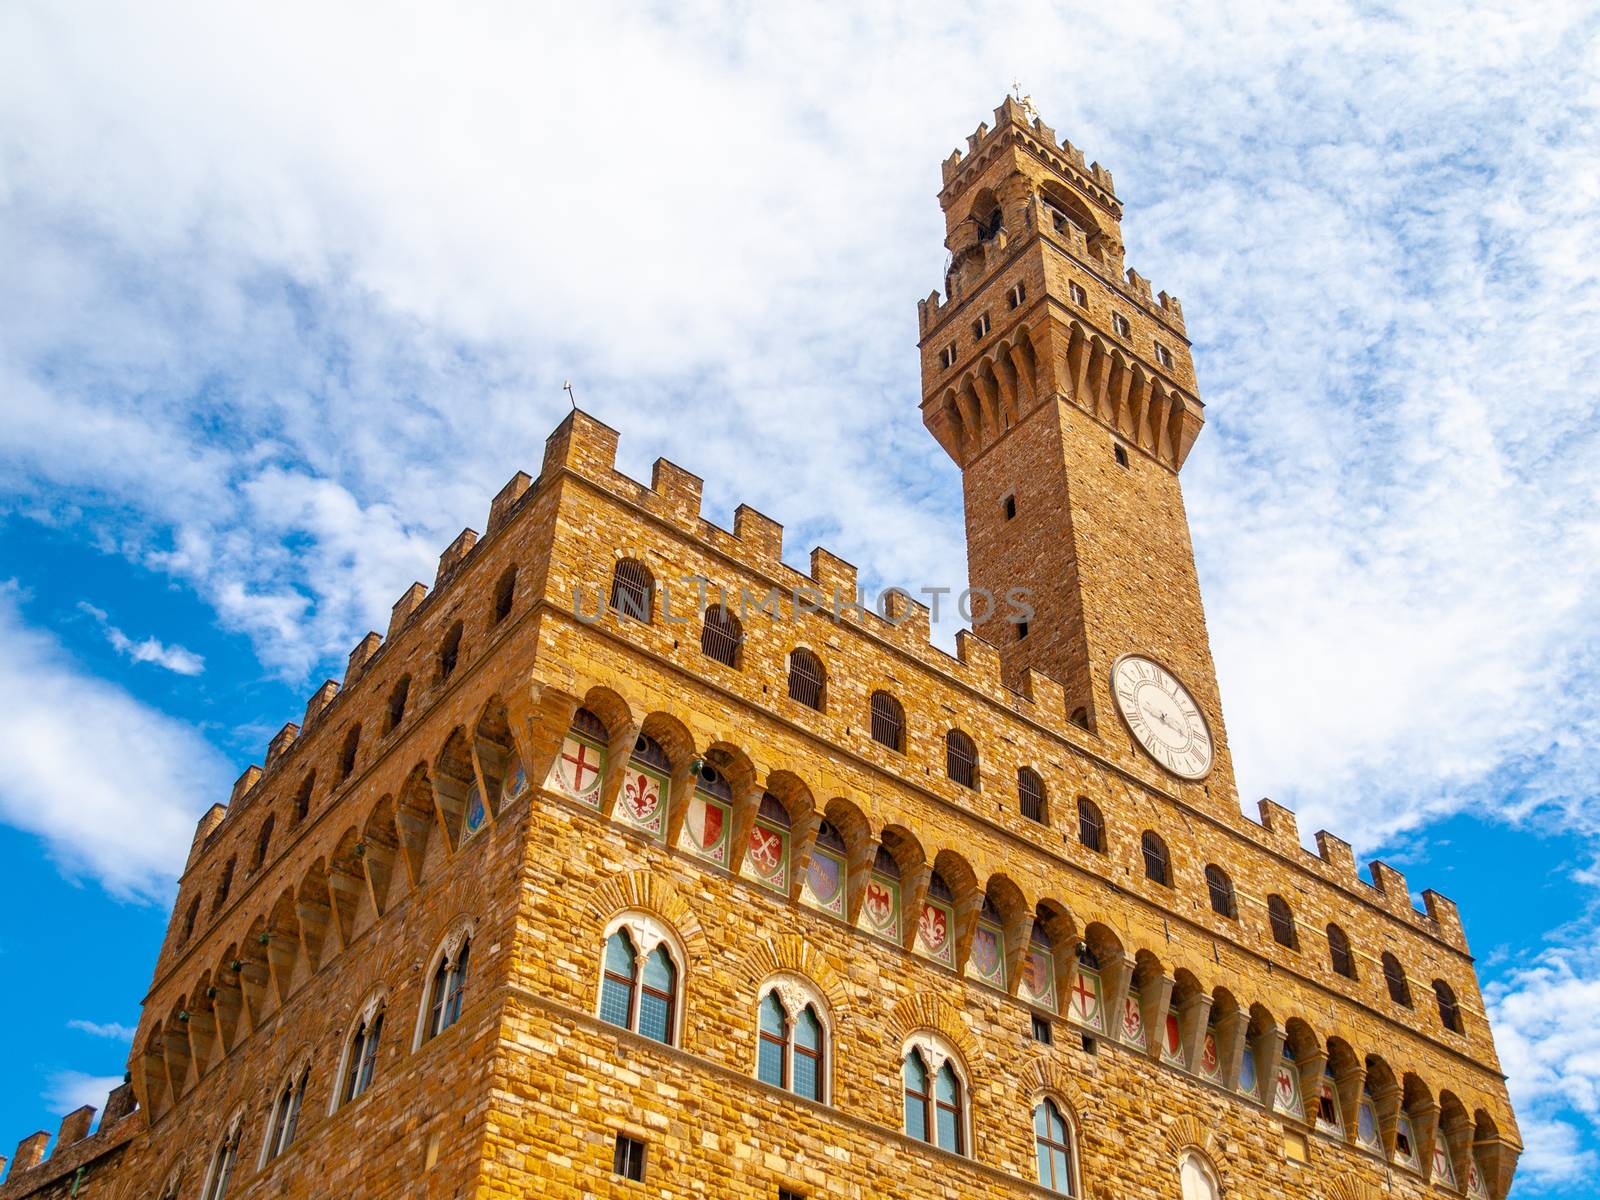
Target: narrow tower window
column 450, row 652
column 1395, row 976
column 888, row 721
column 632, row 590
column 721, row 635
column 1449, row 1010
column 961, row 758
column 1078, row 295
column 1016, row 296
column 1091, row 827
column 504, row 593
column 805, row 678
column 1221, row 888
column 1339, row 956
column 1157, row 867
column 1030, row 794
column 1282, row 920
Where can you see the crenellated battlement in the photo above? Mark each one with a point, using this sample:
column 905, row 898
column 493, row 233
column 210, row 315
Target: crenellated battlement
column 39, row 1160
column 1015, row 124
column 587, row 448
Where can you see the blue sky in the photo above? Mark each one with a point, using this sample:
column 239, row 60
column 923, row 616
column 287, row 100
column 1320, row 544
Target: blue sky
column 289, row 293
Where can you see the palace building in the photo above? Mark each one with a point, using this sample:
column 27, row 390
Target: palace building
column 632, row 862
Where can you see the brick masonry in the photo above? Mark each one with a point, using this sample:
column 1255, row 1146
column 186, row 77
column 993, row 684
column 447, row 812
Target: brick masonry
column 281, row 940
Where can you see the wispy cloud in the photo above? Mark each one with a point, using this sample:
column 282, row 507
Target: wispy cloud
column 111, row 786
column 70, row 1090
column 174, row 658
column 111, row 1030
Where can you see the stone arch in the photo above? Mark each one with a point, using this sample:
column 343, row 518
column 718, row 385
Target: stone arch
column 347, row 883
column 804, row 820
column 380, row 842
column 228, row 1003
column 647, row 892
column 454, row 781
column 175, row 1049
column 314, row 907
column 283, row 946
column 860, row 847
column 415, row 820
column 958, row 875
column 493, row 752
column 923, row 1011
column 203, row 1023
column 793, row 955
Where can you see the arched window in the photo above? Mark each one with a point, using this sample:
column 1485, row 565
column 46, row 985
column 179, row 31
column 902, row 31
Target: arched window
column 224, row 886
column 934, row 1104
column 1449, row 1010
column 361, row 1055
column 721, row 635
column 793, row 1040
column 1394, row 975
column 961, row 758
column 189, row 919
column 1282, row 920
column 806, row 678
column 1157, row 866
column 450, row 652
column 633, row 591
column 639, row 991
column 222, row 1160
column 1339, row 956
column 888, row 721
column 302, row 798
column 1091, row 827
column 285, row 1115
column 1221, row 889
column 1052, row 1139
column 1198, row 1178
column 1030, row 794
column 505, row 592
column 347, row 756
column 448, row 989
column 397, row 704
column 263, row 842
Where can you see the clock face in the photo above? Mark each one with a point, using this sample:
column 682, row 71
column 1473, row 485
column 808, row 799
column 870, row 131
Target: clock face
column 1163, row 716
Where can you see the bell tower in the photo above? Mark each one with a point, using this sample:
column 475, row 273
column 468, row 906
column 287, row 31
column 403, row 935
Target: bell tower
column 1066, row 394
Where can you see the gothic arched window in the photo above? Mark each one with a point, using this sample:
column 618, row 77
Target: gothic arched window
column 1395, row 976
column 1449, row 1010
column 222, row 1160
column 1198, row 1178
column 1282, row 920
column 448, row 989
column 361, row 1055
column 1052, row 1139
column 633, row 591
column 793, row 1041
column 1221, row 889
column 302, row 798
column 934, row 1105
column 1091, row 826
column 1157, row 866
column 1339, row 956
column 806, row 678
column 961, row 758
column 888, row 721
column 721, row 635
column 285, row 1114
column 639, row 992
column 224, row 886
column 1030, row 794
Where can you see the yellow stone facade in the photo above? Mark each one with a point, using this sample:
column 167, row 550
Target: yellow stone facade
column 1043, row 380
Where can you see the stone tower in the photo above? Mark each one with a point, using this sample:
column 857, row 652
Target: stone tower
column 1066, row 394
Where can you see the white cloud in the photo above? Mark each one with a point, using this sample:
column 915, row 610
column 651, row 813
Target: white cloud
column 151, row 650
column 112, row 1030
column 1549, row 1045
column 111, row 786
column 67, row 1091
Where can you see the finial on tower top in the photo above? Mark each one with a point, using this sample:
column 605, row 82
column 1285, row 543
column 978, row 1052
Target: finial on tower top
column 1024, row 100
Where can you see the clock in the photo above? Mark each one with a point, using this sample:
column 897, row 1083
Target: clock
column 1164, row 718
